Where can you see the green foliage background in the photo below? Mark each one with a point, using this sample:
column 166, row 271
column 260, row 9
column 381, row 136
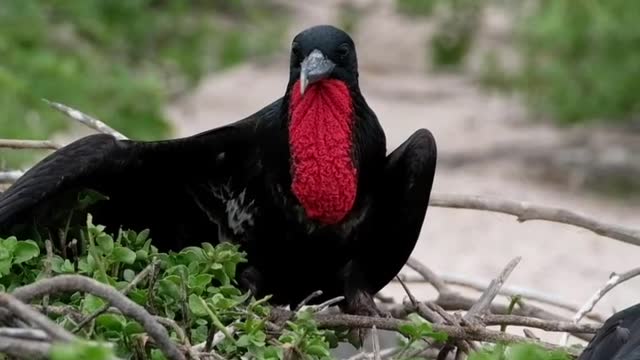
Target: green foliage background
column 579, row 62
column 118, row 60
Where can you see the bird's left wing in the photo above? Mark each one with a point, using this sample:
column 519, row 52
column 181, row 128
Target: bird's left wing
column 148, row 184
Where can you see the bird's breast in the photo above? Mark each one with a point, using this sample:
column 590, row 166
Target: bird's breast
column 324, row 178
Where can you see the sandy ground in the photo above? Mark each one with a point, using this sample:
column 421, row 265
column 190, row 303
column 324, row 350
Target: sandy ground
column 466, row 120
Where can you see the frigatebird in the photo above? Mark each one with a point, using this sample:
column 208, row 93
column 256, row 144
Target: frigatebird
column 304, row 186
column 617, row 339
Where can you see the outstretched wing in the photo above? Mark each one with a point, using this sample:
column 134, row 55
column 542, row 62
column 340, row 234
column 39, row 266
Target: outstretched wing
column 171, row 187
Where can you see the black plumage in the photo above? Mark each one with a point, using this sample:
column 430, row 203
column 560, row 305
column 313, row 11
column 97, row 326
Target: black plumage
column 234, row 183
column 617, row 339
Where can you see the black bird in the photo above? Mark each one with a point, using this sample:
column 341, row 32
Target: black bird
column 617, row 339
column 304, row 185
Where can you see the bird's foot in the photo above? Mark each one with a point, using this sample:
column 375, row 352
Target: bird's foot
column 362, row 303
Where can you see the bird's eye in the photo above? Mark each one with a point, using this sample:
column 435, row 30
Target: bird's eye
column 343, row 51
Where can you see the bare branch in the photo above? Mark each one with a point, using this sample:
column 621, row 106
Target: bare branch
column 136, row 280
column 72, row 283
column 326, row 304
column 85, row 119
column 506, row 290
column 306, row 300
column 483, row 304
column 27, row 334
column 28, row 144
column 457, row 332
column 428, row 275
column 547, row 325
column 31, row 316
column 22, row 348
column 376, row 343
column 614, row 280
column 526, row 211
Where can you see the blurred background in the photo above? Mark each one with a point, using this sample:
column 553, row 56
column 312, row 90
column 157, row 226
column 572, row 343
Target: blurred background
column 532, row 100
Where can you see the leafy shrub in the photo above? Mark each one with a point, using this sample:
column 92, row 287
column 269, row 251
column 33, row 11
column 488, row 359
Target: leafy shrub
column 580, row 62
column 119, row 60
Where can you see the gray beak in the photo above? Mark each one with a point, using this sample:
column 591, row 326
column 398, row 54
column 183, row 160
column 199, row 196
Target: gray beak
column 313, row 68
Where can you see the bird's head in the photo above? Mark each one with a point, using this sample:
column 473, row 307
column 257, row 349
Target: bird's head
column 319, row 53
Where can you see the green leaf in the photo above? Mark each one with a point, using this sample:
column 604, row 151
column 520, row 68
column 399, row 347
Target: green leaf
column 67, row 267
column 25, row 251
column 105, row 243
column 132, row 328
column 128, row 275
column 92, row 303
column 318, row 350
column 124, row 255
column 197, row 305
column 169, row 289
column 111, row 322
column 9, row 243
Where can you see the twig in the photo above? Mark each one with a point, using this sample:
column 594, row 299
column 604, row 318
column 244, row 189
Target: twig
column 326, row 304
column 483, row 304
column 28, row 144
column 547, row 325
column 27, row 334
column 422, row 309
column 72, row 283
column 526, row 211
column 216, row 339
column 306, row 300
column 136, row 280
column 86, row 119
column 376, row 343
column 614, row 280
column 22, row 348
column 47, row 271
column 31, row 316
column 458, row 332
column 481, row 285
column 428, row 275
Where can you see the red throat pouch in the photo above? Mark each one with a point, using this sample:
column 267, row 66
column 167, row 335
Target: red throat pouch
column 320, row 136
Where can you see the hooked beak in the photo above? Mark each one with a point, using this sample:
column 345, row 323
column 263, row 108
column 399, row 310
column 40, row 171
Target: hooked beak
column 313, row 68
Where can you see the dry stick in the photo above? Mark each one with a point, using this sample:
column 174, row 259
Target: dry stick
column 26, row 334
column 136, row 280
column 547, row 325
column 526, row 293
column 376, row 343
column 306, row 300
column 480, row 308
column 47, row 271
column 526, row 211
column 31, row 316
column 23, row 348
column 614, row 280
column 72, row 283
column 326, row 304
column 86, row 119
column 457, row 332
column 459, row 302
column 28, row 144
column 450, row 300
column 428, row 275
